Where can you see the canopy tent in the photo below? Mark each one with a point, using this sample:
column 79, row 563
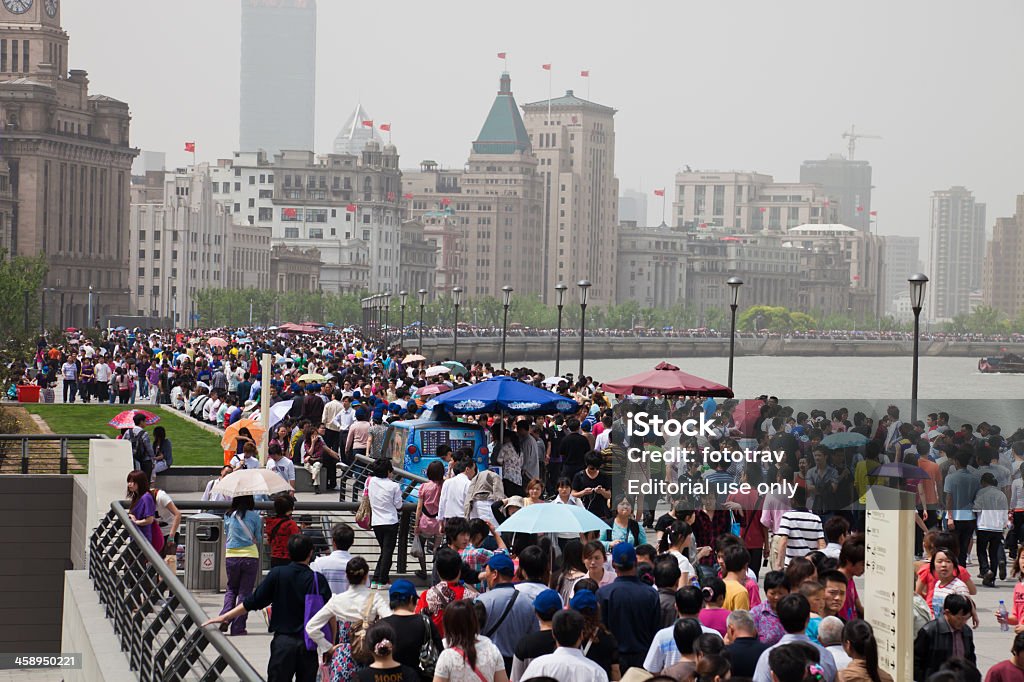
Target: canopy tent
column 502, row 394
column 666, row 379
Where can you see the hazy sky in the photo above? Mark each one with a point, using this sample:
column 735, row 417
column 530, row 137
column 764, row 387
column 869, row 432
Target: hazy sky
column 713, row 85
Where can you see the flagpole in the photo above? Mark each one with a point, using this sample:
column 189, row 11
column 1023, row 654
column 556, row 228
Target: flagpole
column 663, row 208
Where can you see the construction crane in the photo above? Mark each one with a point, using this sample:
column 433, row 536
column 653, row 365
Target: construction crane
column 853, row 136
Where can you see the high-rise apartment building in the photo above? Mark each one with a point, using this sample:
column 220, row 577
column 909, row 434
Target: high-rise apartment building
column 69, row 163
column 747, row 202
column 278, row 78
column 902, row 259
column 575, row 142
column 846, row 182
column 487, row 218
column 957, row 248
column 1003, row 273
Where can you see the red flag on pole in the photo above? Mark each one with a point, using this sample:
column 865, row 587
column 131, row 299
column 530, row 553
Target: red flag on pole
column 446, row 201
column 190, row 147
column 386, row 127
column 873, row 213
column 860, row 209
column 391, row 196
column 546, row 67
column 288, row 212
column 407, row 196
column 351, row 208
column 703, row 225
column 368, row 124
column 585, row 74
column 659, row 192
column 762, row 209
column 501, row 55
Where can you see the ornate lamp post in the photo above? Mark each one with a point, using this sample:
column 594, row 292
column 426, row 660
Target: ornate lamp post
column 386, row 303
column 506, row 300
column 560, row 289
column 734, row 285
column 918, row 283
column 457, row 301
column 422, row 293
column 584, row 285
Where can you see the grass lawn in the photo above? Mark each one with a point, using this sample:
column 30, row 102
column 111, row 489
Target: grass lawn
column 192, row 444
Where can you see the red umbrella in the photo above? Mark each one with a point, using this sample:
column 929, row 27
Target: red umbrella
column 126, row 419
column 433, row 389
column 666, row 379
column 745, row 415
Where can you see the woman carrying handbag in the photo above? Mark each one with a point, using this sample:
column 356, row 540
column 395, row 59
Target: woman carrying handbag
column 428, row 527
column 352, row 611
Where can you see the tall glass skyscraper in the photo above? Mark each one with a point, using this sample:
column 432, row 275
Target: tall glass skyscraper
column 278, row 80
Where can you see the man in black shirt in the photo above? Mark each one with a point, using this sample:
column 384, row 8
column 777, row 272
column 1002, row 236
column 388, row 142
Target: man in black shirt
column 592, row 488
column 546, row 604
column 573, row 449
column 742, row 644
column 285, row 589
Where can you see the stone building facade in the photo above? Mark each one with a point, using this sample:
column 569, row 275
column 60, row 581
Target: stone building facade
column 69, row 161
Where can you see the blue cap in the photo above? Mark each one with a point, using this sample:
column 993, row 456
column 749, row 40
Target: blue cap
column 547, row 604
column 584, row 600
column 502, row 564
column 624, row 555
column 395, row 407
column 402, row 589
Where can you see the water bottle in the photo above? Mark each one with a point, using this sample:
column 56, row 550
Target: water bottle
column 1001, row 612
column 180, row 553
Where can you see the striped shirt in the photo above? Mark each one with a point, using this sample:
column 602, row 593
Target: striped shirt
column 803, row 530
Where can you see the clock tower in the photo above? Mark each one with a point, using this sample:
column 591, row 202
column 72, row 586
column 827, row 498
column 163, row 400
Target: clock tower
column 31, row 37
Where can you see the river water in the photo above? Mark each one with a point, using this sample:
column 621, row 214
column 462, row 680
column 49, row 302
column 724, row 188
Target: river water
column 869, row 384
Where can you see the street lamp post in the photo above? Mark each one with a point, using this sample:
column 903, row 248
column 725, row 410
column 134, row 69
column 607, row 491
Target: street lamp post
column 506, row 300
column 559, row 301
column 422, row 293
column 734, row 285
column 584, row 285
column 250, row 312
column 917, row 282
column 457, row 301
column 386, row 302
column 88, row 322
column 403, row 296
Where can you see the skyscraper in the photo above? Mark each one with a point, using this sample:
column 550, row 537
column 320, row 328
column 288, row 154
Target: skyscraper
column 575, row 142
column 278, row 79
column 847, row 181
column 1003, row 276
column 957, row 246
column 902, row 259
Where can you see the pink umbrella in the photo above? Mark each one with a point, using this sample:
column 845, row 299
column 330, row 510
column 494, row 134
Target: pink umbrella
column 126, row 419
column 216, row 341
column 666, row 379
column 433, row 389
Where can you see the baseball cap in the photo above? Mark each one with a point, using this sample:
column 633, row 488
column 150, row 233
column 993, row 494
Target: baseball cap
column 502, row 564
column 547, row 603
column 403, row 590
column 584, row 600
column 624, row 555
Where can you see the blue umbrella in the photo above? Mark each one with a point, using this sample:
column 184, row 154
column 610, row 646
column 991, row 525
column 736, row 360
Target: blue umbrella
column 502, row 394
column 844, row 439
column 552, row 518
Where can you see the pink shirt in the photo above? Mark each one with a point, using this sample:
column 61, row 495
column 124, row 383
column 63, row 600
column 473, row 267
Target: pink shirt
column 714, row 619
column 774, row 507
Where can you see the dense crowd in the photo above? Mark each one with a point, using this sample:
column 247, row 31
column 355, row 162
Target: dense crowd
column 740, row 586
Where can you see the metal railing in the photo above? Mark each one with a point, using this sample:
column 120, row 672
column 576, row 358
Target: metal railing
column 157, row 621
column 325, row 515
column 355, row 478
column 44, row 453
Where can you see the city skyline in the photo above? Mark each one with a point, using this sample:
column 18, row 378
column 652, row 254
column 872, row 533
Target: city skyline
column 681, row 102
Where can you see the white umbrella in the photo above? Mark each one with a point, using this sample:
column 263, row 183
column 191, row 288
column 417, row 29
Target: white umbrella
column 278, row 412
column 251, row 482
column 437, row 370
column 553, row 381
column 203, row 384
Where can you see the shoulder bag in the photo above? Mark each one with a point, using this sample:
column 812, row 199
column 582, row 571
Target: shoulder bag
column 428, row 652
column 314, row 602
column 364, row 514
column 472, row 667
column 504, row 614
column 357, row 635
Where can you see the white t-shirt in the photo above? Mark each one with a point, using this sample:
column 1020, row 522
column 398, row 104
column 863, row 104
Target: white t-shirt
column 685, row 566
column 240, row 461
column 452, row 665
column 285, row 468
column 164, row 516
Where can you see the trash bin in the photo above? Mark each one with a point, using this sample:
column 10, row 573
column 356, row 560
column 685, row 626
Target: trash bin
column 204, row 553
column 28, row 393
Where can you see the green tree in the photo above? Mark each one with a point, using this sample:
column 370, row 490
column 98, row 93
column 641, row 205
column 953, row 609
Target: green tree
column 21, row 284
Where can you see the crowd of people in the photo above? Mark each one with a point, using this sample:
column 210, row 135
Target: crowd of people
column 736, row 586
